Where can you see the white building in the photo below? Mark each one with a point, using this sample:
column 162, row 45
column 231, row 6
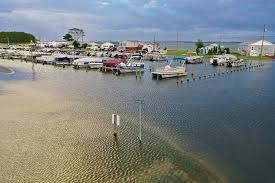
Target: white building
column 93, row 46
column 131, row 43
column 107, row 46
column 253, row 48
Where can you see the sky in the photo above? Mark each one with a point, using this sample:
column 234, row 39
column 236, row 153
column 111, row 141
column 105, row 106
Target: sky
column 116, row 20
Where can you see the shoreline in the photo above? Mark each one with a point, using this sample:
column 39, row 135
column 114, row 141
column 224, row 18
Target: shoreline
column 193, row 53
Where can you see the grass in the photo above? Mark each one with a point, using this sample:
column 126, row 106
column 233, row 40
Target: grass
column 193, row 53
column 180, row 52
column 239, row 56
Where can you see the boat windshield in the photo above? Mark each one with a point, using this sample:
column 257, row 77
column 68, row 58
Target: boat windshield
column 177, row 61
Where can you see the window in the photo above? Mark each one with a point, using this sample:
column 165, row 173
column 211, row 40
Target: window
column 252, row 47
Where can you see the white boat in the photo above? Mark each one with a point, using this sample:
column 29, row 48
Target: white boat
column 220, row 60
column 82, row 62
column 136, row 56
column 236, row 63
column 130, row 67
column 169, row 72
column 46, row 59
column 194, row 59
column 96, row 63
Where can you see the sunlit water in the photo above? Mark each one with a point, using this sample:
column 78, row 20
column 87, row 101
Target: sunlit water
column 224, row 122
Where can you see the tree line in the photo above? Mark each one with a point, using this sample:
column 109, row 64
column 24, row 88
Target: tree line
column 212, row 51
column 16, row 37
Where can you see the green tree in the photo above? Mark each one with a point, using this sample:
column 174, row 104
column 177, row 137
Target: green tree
column 76, row 44
column 227, row 50
column 68, row 37
column 85, row 45
column 199, row 44
column 76, row 33
column 219, row 49
column 16, row 37
column 215, row 50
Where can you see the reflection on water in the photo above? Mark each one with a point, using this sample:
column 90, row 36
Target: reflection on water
column 58, row 128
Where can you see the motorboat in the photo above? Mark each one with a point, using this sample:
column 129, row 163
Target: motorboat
column 96, row 63
column 86, row 61
column 194, row 59
column 114, row 62
column 130, row 67
column 136, row 56
column 154, row 56
column 168, row 71
column 236, row 63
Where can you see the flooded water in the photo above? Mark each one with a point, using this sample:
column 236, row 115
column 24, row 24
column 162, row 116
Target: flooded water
column 55, row 125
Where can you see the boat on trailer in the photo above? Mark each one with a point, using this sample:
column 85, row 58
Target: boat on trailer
column 220, row 60
column 194, row 59
column 236, row 63
column 169, row 72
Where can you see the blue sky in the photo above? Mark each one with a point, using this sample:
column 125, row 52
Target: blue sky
column 234, row 20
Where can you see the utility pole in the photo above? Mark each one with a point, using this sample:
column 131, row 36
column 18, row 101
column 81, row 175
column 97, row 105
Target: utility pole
column 177, row 40
column 8, row 39
column 154, row 43
column 263, row 41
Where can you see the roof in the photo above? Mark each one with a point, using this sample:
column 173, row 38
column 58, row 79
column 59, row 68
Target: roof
column 256, row 42
column 213, row 45
column 107, row 43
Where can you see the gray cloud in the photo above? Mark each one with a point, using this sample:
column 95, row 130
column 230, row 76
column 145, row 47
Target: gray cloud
column 140, row 19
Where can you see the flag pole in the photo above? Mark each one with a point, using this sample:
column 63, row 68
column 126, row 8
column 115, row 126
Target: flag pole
column 263, row 42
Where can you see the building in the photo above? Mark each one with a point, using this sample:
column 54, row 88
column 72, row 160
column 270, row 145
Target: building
column 253, row 48
column 131, row 46
column 211, row 47
column 93, row 46
column 107, row 46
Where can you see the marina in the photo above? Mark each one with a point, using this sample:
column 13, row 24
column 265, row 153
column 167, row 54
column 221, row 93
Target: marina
column 198, row 141
column 128, row 91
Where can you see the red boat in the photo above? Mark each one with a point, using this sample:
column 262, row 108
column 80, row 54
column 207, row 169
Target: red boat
column 114, row 62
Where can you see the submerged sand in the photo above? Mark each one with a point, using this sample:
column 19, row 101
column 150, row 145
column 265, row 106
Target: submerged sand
column 5, row 70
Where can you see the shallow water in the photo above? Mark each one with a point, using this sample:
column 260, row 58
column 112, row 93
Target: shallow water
column 56, row 125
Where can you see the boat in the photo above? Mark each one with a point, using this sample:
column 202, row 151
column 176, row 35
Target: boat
column 168, row 71
column 130, row 67
column 236, row 63
column 194, row 59
column 113, row 62
column 56, row 60
column 220, row 60
column 96, row 63
column 136, row 56
column 154, row 56
column 84, row 62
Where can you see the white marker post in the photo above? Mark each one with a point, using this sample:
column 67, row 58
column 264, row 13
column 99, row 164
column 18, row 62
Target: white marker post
column 140, row 102
column 115, row 122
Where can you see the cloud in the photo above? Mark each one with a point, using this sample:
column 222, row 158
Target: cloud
column 140, row 19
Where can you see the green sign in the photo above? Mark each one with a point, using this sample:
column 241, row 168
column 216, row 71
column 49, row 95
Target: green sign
column 140, row 102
